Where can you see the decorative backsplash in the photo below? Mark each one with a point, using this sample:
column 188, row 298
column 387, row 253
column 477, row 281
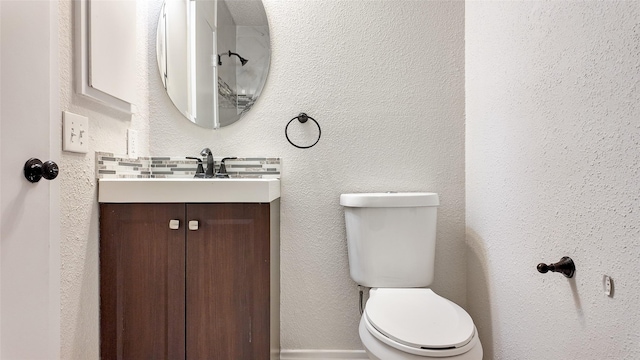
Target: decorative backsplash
column 110, row 166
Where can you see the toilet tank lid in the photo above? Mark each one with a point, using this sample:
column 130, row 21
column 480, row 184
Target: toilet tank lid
column 390, row 199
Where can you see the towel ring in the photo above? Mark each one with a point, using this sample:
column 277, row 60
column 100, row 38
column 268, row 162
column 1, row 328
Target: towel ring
column 302, row 117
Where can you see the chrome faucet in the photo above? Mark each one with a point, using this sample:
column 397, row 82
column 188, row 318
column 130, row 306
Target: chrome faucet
column 209, row 171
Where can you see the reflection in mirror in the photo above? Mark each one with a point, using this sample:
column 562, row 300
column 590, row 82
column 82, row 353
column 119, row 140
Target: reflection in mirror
column 213, row 57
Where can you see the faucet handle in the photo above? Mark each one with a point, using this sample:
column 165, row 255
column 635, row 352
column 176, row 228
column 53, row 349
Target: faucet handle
column 222, row 172
column 200, row 169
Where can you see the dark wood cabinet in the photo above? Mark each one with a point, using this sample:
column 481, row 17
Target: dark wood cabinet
column 206, row 290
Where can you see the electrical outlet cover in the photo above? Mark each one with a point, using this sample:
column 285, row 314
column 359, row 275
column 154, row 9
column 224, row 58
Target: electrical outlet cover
column 75, row 133
column 132, row 143
column 607, row 284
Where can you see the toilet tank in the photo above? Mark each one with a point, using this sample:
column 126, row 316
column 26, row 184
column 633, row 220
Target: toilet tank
column 391, row 238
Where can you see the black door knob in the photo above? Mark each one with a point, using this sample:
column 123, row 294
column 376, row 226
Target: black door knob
column 34, row 170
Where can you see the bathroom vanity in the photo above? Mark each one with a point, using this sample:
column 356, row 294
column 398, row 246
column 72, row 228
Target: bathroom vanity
column 189, row 268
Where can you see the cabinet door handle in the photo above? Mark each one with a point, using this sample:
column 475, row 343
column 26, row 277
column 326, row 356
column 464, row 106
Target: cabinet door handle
column 174, row 224
column 193, row 225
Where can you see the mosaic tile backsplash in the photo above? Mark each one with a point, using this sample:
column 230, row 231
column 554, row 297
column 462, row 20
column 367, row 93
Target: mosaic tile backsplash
column 110, row 166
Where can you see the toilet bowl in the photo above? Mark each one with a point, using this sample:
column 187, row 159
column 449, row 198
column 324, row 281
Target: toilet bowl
column 412, row 324
column 391, row 240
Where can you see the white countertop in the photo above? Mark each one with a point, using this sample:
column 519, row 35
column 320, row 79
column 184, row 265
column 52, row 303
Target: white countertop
column 188, row 190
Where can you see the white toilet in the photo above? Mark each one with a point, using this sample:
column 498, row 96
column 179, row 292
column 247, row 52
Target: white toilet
column 391, row 240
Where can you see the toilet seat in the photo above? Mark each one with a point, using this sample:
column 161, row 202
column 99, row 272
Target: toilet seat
column 418, row 321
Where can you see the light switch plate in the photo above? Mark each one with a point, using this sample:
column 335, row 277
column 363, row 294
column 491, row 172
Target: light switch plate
column 75, row 130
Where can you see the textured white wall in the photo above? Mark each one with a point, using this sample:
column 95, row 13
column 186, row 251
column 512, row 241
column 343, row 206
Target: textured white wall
column 552, row 138
column 78, row 205
column 385, row 80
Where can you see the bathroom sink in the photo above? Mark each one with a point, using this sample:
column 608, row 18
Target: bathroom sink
column 188, row 190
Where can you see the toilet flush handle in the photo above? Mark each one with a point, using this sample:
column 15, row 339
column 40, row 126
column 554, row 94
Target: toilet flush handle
column 564, row 266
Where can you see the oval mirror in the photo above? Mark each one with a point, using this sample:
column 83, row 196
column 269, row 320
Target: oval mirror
column 213, row 57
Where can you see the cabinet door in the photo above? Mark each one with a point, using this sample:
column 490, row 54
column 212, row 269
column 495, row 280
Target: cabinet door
column 228, row 282
column 142, row 281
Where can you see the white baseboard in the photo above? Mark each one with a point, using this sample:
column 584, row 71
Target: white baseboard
column 323, row 355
